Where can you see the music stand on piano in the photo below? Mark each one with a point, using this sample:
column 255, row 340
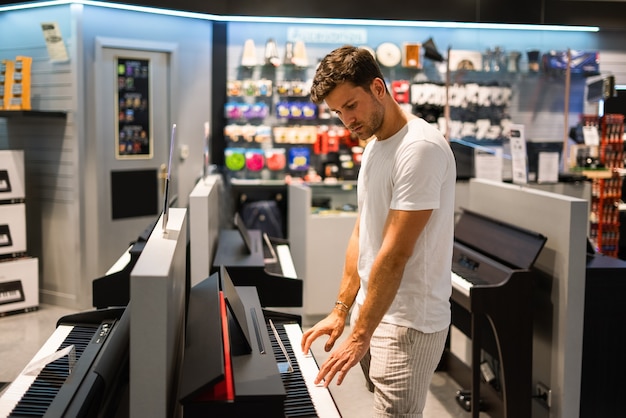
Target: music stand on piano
column 217, row 381
column 224, row 370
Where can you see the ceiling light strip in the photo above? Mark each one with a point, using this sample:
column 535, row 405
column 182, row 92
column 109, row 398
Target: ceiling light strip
column 308, row 20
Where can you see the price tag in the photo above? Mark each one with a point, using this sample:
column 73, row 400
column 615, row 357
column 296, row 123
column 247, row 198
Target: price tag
column 590, row 135
column 54, row 42
column 518, row 154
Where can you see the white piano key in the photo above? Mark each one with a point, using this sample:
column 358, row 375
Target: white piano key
column 12, row 395
column 320, row 396
column 460, row 284
column 286, row 262
column 10, row 296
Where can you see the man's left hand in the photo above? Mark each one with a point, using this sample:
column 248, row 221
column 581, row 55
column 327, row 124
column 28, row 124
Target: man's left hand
column 341, row 360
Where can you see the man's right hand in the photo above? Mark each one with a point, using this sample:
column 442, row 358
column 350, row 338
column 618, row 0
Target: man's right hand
column 333, row 326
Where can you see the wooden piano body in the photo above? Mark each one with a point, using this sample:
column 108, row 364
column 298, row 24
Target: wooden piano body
column 491, row 304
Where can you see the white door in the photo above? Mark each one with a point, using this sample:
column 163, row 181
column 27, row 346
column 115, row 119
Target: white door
column 133, row 144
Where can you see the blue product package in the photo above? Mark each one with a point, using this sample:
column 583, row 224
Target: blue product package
column 299, row 158
column 581, row 62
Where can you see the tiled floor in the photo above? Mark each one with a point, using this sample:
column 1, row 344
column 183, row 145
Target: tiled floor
column 22, row 335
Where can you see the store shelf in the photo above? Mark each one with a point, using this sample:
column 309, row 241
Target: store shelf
column 257, row 182
column 598, row 174
column 607, row 184
column 332, row 182
column 33, row 114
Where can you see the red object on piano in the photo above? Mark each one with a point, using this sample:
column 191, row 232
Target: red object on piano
column 224, row 390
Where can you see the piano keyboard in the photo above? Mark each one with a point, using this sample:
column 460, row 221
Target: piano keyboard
column 31, row 395
column 11, row 292
column 310, row 400
column 461, row 284
column 11, row 296
column 286, row 262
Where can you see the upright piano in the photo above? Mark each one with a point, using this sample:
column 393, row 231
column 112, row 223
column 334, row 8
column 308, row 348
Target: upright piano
column 242, row 361
column 255, row 259
column 79, row 372
column 492, row 285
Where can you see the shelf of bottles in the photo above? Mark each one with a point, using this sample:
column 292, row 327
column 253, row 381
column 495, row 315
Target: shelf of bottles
column 606, row 192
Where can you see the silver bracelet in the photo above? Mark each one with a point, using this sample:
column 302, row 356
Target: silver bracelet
column 339, row 303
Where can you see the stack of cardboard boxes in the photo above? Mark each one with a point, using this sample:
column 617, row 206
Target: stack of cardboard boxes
column 19, row 273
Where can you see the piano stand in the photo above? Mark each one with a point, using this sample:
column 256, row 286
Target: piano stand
column 464, row 399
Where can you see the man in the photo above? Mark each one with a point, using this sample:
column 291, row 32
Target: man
column 398, row 261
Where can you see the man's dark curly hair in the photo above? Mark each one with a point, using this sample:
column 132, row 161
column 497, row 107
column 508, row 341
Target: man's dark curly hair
column 345, row 64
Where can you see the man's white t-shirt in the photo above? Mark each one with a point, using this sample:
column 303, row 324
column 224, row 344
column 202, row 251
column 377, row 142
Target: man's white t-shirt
column 414, row 169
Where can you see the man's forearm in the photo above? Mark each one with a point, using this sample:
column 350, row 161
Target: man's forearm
column 350, row 281
column 383, row 285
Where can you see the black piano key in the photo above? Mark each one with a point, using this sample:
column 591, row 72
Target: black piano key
column 298, row 402
column 42, row 391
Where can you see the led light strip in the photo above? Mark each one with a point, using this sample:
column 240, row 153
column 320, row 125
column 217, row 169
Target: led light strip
column 308, row 20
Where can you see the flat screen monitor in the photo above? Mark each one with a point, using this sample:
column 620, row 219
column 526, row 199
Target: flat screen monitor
column 534, row 148
column 616, row 103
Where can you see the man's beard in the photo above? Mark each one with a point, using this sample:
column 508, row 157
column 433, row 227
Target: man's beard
column 372, row 125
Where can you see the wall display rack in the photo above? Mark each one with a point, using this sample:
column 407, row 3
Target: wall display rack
column 273, row 130
column 32, row 114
